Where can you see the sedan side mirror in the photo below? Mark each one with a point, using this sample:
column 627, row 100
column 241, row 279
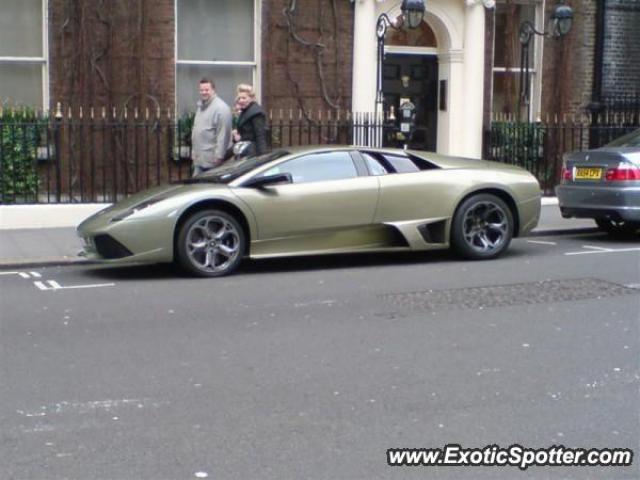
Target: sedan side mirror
column 261, row 182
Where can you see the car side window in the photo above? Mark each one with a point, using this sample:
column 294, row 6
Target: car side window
column 317, row 167
column 401, row 164
column 374, row 165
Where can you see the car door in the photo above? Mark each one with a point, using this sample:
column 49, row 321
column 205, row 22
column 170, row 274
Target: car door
column 411, row 188
column 328, row 194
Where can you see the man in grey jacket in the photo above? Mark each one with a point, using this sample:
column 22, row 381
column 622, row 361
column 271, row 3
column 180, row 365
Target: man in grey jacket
column 211, row 134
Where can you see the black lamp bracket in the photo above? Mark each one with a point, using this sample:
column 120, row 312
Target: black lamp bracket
column 527, row 30
column 385, row 22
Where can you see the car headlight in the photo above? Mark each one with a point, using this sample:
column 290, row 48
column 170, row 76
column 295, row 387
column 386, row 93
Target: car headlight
column 135, row 209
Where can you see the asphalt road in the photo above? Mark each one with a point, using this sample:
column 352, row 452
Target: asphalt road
column 313, row 368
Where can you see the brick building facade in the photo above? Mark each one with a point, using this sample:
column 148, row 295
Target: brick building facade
column 307, row 55
column 117, row 53
column 300, row 55
column 568, row 63
column 621, row 48
column 112, row 53
column 598, row 62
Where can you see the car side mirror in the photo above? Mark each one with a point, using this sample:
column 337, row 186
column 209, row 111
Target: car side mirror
column 261, row 182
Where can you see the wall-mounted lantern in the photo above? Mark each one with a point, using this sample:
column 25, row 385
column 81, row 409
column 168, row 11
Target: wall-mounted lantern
column 559, row 25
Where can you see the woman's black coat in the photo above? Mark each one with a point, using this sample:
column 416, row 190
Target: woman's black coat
column 252, row 127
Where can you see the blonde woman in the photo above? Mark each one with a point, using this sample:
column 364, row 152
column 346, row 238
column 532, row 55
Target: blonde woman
column 252, row 122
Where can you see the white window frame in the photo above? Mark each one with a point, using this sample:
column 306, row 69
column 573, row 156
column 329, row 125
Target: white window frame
column 43, row 60
column 538, row 46
column 257, row 54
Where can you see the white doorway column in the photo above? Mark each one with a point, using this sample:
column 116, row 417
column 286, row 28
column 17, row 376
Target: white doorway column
column 451, row 119
column 471, row 138
column 364, row 57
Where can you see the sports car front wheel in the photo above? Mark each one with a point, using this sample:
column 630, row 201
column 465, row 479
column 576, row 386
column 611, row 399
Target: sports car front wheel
column 210, row 244
column 482, row 227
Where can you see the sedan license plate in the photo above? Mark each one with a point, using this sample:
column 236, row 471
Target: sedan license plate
column 588, row 173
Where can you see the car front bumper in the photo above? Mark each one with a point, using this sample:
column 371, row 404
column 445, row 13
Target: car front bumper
column 127, row 241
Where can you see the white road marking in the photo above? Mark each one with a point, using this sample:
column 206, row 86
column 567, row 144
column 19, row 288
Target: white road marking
column 97, row 285
column 53, row 285
column 23, row 274
column 42, row 286
column 591, row 247
column 619, row 250
column 541, row 242
column 633, row 285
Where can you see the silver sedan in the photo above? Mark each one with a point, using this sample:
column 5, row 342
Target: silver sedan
column 604, row 184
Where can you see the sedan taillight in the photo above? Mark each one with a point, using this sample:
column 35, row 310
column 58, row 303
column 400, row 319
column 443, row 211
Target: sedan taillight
column 567, row 174
column 623, row 173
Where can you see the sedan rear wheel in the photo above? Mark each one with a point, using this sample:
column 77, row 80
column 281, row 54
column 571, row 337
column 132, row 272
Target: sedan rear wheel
column 617, row 228
column 210, row 244
column 482, row 227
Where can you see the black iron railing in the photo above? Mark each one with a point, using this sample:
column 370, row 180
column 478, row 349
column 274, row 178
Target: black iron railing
column 540, row 146
column 78, row 156
column 91, row 156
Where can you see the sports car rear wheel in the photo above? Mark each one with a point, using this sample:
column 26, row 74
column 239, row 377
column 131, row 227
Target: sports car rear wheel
column 210, row 244
column 482, row 227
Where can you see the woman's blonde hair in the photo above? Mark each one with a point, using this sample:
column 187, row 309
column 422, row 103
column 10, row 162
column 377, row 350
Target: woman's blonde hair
column 245, row 88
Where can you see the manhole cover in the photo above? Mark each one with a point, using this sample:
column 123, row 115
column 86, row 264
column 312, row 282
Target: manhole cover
column 508, row 295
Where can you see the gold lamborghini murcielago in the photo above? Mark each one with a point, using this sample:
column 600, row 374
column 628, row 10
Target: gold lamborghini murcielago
column 319, row 200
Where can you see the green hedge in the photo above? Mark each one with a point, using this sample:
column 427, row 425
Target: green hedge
column 20, row 132
column 520, row 143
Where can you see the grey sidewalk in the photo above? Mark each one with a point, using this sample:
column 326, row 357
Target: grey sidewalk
column 21, row 248
column 25, row 247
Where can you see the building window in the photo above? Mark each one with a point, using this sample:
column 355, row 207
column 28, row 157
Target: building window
column 507, row 57
column 23, row 53
column 218, row 40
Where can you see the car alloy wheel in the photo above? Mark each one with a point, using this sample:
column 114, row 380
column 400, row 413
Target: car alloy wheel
column 617, row 228
column 482, row 227
column 211, row 243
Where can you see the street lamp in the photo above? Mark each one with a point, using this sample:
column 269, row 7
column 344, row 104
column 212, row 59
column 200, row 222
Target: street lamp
column 413, row 14
column 561, row 20
column 559, row 25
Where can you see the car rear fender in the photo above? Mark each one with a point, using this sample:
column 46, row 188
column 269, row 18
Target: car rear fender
column 505, row 197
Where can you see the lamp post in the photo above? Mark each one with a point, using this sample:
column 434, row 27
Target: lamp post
column 559, row 25
column 412, row 14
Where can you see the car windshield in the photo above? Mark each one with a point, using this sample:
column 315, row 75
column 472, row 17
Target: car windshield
column 232, row 169
column 629, row 140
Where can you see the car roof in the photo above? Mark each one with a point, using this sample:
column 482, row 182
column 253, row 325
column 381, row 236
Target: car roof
column 335, row 148
column 443, row 161
column 329, row 148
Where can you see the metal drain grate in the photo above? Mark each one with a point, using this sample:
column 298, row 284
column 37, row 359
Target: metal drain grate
column 548, row 291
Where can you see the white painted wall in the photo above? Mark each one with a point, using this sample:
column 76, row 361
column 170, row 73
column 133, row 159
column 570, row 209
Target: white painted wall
column 364, row 56
column 473, row 79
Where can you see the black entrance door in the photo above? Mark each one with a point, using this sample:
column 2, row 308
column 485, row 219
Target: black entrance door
column 414, row 77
